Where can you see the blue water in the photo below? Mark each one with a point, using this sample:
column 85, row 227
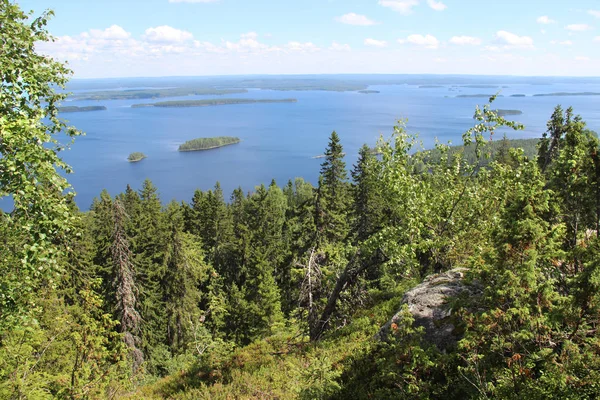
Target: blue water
column 279, row 141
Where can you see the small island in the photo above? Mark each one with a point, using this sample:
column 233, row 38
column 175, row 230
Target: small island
column 430, row 86
column 70, row 109
column 211, row 102
column 136, row 156
column 368, row 91
column 208, row 143
column 517, row 95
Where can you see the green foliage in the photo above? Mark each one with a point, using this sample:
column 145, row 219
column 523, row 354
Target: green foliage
column 208, row 143
column 41, row 218
column 279, row 293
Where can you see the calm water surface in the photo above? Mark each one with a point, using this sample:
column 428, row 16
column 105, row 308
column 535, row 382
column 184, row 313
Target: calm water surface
column 279, row 141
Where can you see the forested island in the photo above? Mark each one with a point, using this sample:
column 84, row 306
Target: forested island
column 211, row 102
column 368, row 91
column 132, row 94
column 136, row 156
column 518, row 95
column 564, row 94
column 476, row 96
column 72, row 109
column 480, row 86
column 208, row 143
column 430, row 86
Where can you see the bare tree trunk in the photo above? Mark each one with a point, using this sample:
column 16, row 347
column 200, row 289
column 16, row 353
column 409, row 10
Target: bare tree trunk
column 352, row 270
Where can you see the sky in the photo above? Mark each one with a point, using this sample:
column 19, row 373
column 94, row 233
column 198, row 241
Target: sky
column 137, row 38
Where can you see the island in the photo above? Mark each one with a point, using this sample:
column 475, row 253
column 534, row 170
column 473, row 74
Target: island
column 211, row 102
column 480, row 86
column 517, row 95
column 464, row 96
column 560, row 94
column 208, row 143
column 368, row 91
column 430, row 86
column 136, row 156
column 133, row 94
column 325, row 155
column 70, row 109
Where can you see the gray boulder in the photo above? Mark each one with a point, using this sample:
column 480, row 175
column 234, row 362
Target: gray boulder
column 428, row 303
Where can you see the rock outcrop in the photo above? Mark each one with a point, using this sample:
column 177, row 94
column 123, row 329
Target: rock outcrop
column 428, row 303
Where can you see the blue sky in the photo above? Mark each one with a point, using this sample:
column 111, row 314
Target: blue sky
column 113, row 38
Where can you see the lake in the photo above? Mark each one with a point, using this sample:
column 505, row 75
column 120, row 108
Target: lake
column 279, row 140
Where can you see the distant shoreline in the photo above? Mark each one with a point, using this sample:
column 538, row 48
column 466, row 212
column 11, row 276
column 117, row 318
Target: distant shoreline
column 210, row 103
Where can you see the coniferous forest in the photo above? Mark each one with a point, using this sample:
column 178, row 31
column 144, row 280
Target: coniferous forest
column 282, row 292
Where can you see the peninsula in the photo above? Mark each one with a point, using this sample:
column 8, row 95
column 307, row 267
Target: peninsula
column 136, row 156
column 211, row 102
column 70, row 109
column 208, row 143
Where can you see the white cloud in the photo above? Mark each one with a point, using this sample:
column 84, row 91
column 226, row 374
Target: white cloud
column 582, row 58
column 297, row 46
column 401, row 6
column 375, row 43
column 562, row 42
column 248, row 43
column 437, row 5
column 465, row 40
column 578, row 27
column 510, row 40
column 114, row 32
column 335, row 46
column 427, row 41
column 193, row 1
column 594, row 13
column 544, row 19
column 355, row 19
column 166, row 34
column 597, row 39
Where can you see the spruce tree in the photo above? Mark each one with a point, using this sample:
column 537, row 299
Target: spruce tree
column 125, row 287
column 332, row 200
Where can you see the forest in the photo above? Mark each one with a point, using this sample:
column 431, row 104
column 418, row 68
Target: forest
column 282, row 292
